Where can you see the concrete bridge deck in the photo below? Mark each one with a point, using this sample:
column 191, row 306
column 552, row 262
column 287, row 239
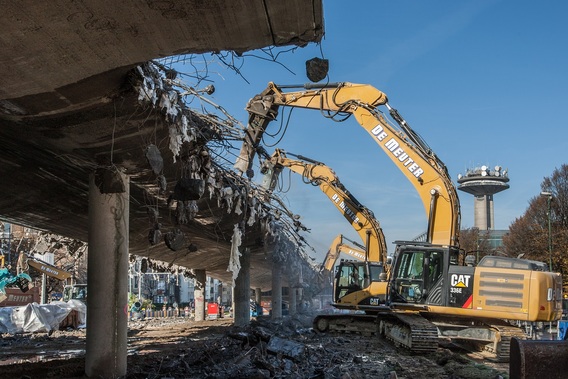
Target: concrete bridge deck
column 70, row 103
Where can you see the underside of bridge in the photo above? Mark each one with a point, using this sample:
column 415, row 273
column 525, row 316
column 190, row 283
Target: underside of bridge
column 78, row 96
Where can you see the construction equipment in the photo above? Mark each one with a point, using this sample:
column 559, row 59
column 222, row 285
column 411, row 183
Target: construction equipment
column 47, row 269
column 363, row 283
column 22, row 279
column 432, row 293
column 338, row 247
column 7, row 279
column 75, row 292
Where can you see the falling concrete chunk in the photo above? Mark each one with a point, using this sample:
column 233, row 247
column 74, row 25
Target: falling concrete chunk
column 287, row 348
column 155, row 159
column 317, row 69
column 175, row 240
column 155, row 235
column 189, row 189
column 162, row 183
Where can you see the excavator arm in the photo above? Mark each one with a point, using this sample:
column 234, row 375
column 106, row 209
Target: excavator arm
column 402, row 145
column 359, row 216
column 338, row 247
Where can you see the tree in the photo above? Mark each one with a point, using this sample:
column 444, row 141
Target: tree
column 528, row 234
column 475, row 241
column 557, row 185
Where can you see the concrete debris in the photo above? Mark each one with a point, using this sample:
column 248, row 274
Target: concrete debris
column 170, row 347
column 155, row 235
column 186, row 211
column 162, row 184
column 188, row 189
column 154, row 158
column 234, row 260
column 227, row 195
column 287, row 348
column 175, row 240
column 255, row 209
column 191, row 135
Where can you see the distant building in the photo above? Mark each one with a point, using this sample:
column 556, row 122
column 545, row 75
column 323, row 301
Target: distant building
column 483, row 182
column 167, row 288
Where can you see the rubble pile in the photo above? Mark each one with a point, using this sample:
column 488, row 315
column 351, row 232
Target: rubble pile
column 291, row 349
column 172, row 348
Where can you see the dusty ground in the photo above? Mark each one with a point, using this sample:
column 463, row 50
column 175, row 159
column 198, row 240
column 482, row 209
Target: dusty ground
column 181, row 348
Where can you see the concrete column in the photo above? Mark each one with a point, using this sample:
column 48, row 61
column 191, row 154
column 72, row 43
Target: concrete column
column 258, row 295
column 242, row 291
column 276, row 291
column 199, row 294
column 293, row 301
column 107, row 275
column 300, row 292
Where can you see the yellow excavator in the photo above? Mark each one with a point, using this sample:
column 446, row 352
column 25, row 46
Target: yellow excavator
column 338, row 246
column 360, row 284
column 434, row 294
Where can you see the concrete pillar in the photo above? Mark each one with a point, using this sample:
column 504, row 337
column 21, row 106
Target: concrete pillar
column 258, row 295
column 300, row 292
column 276, row 291
column 293, row 301
column 242, row 291
column 107, row 275
column 199, row 294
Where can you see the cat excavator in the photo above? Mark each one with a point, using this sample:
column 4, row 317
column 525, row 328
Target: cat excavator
column 434, row 294
column 338, row 247
column 363, row 283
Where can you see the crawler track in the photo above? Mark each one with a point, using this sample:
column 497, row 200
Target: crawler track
column 411, row 331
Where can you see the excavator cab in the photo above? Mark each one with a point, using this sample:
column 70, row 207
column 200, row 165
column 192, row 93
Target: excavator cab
column 418, row 274
column 355, row 281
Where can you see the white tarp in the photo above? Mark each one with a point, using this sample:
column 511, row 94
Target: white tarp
column 36, row 317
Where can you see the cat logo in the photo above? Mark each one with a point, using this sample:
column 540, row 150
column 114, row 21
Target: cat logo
column 459, row 280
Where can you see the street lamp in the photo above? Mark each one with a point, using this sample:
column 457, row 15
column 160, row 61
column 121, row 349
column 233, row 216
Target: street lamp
column 549, row 197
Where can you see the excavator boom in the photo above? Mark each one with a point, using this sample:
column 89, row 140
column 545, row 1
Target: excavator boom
column 359, row 217
column 339, row 247
column 403, row 146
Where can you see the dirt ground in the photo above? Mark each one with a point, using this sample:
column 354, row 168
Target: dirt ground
column 170, row 348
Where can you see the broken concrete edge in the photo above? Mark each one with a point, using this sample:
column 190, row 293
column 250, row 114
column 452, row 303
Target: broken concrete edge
column 237, row 194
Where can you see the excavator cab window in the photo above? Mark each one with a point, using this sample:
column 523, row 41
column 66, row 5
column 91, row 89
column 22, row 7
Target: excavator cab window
column 409, row 276
column 418, row 276
column 349, row 278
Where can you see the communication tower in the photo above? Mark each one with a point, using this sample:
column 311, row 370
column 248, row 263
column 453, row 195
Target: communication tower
column 483, row 183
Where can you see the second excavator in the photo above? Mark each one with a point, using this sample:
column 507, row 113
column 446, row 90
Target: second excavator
column 360, row 284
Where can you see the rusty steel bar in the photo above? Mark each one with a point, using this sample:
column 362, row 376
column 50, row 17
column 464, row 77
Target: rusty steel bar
column 538, row 359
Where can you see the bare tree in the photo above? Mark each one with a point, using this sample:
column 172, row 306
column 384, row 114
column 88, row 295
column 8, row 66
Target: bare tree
column 475, row 241
column 529, row 234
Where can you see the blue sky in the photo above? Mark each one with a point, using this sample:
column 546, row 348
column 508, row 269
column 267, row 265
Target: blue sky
column 483, row 82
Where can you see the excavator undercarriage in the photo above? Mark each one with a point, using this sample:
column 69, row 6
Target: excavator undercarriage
column 422, row 333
